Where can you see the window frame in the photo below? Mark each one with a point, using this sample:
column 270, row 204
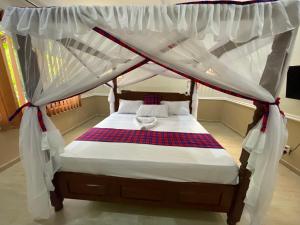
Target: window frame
column 8, row 101
column 12, row 94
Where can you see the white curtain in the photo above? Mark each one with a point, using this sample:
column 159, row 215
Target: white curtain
column 195, row 102
column 54, row 70
column 221, row 45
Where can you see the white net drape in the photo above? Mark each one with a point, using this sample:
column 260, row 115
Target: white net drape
column 141, row 74
column 62, row 71
column 227, row 46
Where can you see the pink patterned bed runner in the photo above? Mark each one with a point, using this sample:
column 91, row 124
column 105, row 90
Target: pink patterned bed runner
column 195, row 140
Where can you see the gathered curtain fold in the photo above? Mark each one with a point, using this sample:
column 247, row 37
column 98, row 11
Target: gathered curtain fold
column 237, row 22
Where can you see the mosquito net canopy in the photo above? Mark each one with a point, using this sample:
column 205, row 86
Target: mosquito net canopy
column 146, row 72
column 241, row 49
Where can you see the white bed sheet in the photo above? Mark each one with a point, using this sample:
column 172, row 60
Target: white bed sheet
column 144, row 161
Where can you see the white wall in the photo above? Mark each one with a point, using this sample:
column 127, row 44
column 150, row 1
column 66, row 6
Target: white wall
column 158, row 84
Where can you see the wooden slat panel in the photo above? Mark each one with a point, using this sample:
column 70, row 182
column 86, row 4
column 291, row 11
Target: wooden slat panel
column 63, row 105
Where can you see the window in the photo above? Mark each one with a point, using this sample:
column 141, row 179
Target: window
column 11, row 90
column 12, row 94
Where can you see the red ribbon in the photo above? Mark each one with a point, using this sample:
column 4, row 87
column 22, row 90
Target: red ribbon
column 266, row 111
column 39, row 114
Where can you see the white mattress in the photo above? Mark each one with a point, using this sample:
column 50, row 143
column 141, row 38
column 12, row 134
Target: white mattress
column 144, row 161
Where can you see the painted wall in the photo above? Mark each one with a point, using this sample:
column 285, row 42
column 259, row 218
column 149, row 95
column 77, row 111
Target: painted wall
column 91, row 107
column 158, row 83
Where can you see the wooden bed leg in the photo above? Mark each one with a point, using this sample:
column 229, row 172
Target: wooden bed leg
column 231, row 223
column 56, row 201
column 235, row 213
column 56, row 197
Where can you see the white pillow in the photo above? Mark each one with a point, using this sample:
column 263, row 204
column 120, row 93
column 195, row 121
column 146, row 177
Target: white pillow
column 153, row 111
column 177, row 107
column 129, row 106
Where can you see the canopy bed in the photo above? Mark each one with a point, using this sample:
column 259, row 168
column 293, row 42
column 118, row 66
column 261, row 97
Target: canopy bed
column 239, row 48
column 201, row 176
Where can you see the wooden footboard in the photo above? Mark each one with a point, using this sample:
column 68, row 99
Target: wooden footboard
column 212, row 197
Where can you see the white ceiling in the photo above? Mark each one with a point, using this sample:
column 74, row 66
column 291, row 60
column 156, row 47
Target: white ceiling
column 24, row 3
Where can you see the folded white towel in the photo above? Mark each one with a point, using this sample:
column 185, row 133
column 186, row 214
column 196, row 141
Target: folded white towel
column 146, row 123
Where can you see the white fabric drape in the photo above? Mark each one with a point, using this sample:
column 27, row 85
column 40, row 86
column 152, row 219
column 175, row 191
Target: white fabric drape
column 40, row 165
column 52, row 72
column 111, row 99
column 213, row 70
column 195, row 102
column 265, row 154
column 226, row 46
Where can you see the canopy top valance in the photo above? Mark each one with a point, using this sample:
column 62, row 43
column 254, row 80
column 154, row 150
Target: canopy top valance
column 223, row 20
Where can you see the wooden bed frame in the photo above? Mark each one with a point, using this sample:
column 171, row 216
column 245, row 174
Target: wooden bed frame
column 204, row 196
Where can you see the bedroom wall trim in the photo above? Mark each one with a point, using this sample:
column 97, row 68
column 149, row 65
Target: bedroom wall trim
column 290, row 166
column 9, row 163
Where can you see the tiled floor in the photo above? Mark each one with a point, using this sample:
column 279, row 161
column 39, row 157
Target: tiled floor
column 285, row 209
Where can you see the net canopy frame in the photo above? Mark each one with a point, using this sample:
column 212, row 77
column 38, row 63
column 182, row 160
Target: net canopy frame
column 242, row 49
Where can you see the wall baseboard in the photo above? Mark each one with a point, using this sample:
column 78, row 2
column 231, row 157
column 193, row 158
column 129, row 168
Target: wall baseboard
column 207, row 120
column 290, row 167
column 9, row 164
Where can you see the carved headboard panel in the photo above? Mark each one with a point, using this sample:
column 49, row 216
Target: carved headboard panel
column 165, row 96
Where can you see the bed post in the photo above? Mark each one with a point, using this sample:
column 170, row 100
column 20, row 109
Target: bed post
column 191, row 95
column 273, row 73
column 115, row 91
column 1, row 14
column 235, row 213
column 56, row 200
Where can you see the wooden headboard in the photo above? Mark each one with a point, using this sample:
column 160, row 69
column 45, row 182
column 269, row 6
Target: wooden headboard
column 165, row 96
